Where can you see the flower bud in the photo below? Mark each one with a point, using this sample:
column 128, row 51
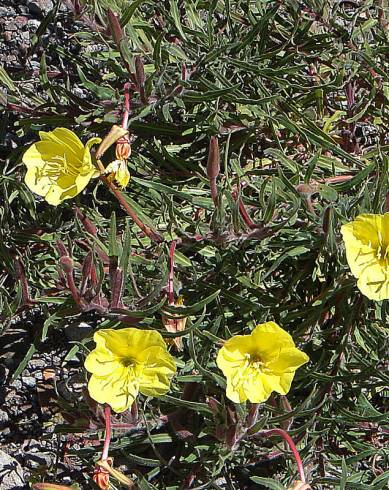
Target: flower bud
column 66, row 263
column 123, row 149
column 213, row 164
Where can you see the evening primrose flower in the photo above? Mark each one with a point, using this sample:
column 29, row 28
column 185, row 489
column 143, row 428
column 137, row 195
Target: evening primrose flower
column 126, row 362
column 59, row 166
column 256, row 365
column 367, row 251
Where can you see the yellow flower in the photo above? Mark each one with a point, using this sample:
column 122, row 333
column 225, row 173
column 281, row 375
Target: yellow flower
column 126, row 362
column 59, row 166
column 118, row 171
column 367, row 250
column 257, row 364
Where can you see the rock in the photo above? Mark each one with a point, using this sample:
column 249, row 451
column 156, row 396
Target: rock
column 11, row 473
column 33, row 24
column 6, row 11
column 21, row 21
column 29, row 381
column 3, row 417
column 39, row 7
column 17, row 384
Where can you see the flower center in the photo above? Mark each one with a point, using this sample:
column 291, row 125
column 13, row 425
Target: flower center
column 254, row 362
column 128, row 362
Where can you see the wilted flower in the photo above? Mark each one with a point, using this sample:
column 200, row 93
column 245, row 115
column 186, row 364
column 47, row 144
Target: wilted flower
column 257, row 364
column 175, row 325
column 59, row 166
column 126, row 362
column 118, row 171
column 367, row 250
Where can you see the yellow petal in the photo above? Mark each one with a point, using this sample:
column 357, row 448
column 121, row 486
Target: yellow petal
column 280, row 384
column 115, row 389
column 367, row 250
column 269, row 339
column 234, row 352
column 256, row 388
column 288, row 361
column 101, row 362
column 36, row 182
column 87, row 158
column 69, row 142
column 373, row 282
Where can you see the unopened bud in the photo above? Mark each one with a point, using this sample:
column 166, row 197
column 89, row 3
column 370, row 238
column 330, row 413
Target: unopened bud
column 66, row 263
column 139, row 71
column 115, row 27
column 213, row 164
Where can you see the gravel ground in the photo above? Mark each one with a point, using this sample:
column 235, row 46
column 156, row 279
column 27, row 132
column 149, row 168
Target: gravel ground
column 29, row 406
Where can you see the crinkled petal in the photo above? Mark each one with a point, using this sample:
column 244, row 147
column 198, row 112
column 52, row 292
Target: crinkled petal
column 269, row 339
column 129, row 342
column 116, row 389
column 87, row 157
column 233, row 354
column 288, row 361
column 373, row 282
column 70, row 144
column 256, row 389
column 280, row 384
column 101, row 362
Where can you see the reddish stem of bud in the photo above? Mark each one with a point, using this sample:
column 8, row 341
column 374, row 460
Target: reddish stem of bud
column 126, row 112
column 291, row 444
column 153, row 235
column 89, row 226
column 107, row 441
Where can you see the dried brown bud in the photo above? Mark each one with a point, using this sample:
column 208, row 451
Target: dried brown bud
column 115, row 134
column 213, row 164
column 123, row 149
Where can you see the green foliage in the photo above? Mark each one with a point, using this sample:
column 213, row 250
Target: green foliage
column 297, row 93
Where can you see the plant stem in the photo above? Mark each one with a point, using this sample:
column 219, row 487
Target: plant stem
column 170, row 283
column 107, row 415
column 153, row 235
column 291, row 444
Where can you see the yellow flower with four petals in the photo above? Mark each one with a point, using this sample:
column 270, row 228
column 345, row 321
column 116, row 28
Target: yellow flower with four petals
column 126, row 362
column 367, row 251
column 59, row 166
column 256, row 365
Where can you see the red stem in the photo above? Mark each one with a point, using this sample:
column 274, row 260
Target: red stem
column 107, row 415
column 170, row 283
column 126, row 112
column 291, row 444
